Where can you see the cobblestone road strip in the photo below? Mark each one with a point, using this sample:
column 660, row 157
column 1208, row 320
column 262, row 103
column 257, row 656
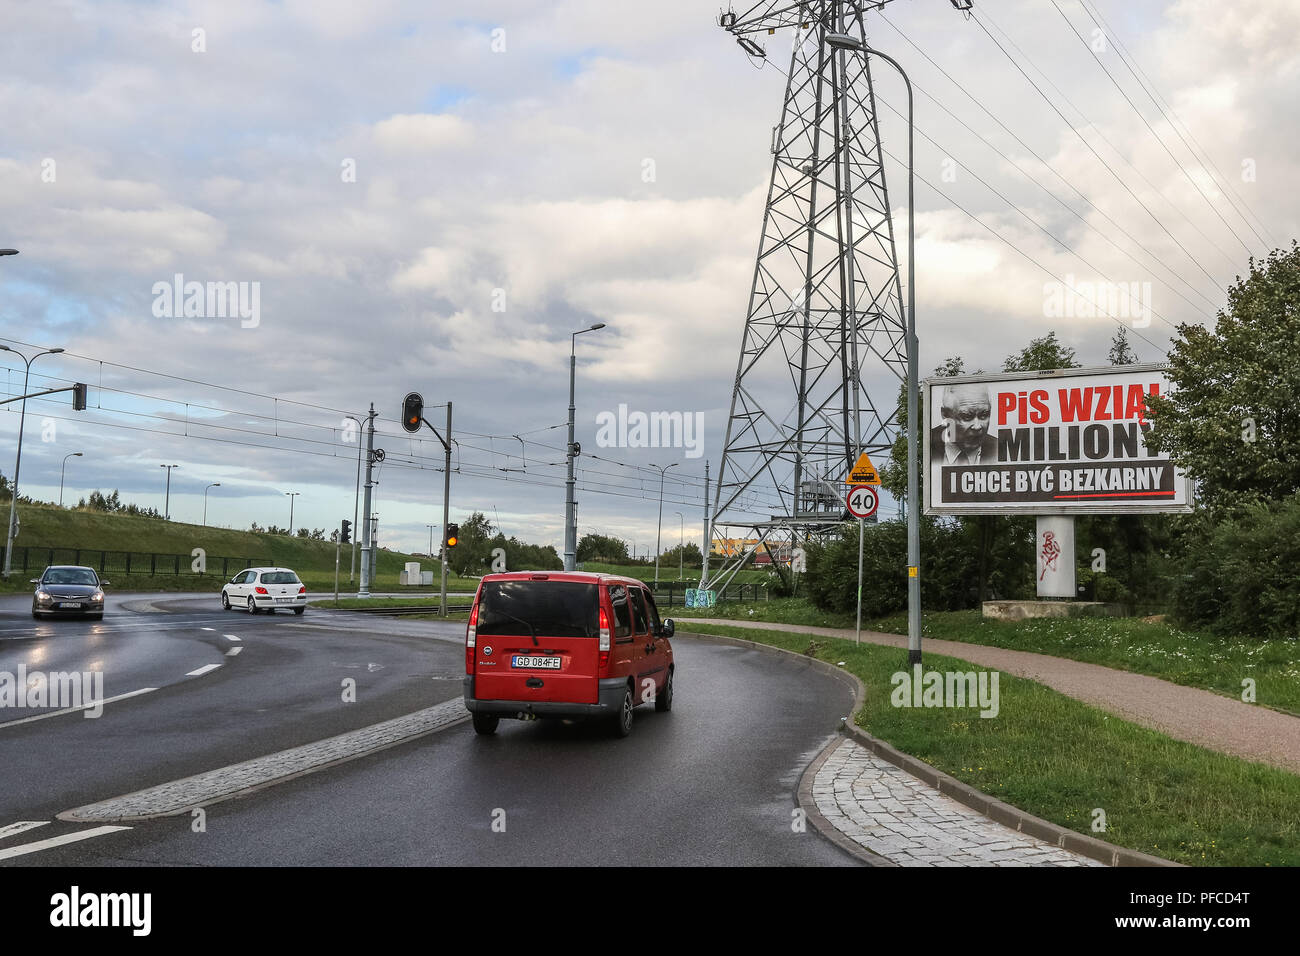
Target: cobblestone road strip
column 179, row 796
column 891, row 813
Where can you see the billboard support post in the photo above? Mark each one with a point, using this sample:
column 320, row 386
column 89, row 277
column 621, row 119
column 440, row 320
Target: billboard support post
column 1054, row 547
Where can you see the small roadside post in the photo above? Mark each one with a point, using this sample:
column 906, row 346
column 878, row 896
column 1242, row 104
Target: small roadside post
column 862, row 502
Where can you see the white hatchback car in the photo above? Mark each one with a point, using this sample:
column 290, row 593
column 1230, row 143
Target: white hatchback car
column 265, row 589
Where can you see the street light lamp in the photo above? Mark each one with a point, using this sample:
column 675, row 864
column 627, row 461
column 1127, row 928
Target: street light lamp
column 215, row 484
column 570, row 515
column 681, row 545
column 75, row 454
column 167, row 501
column 846, row 42
column 292, row 495
column 662, row 471
column 13, row 502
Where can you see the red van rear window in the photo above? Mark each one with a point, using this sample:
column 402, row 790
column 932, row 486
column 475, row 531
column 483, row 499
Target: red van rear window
column 552, row 608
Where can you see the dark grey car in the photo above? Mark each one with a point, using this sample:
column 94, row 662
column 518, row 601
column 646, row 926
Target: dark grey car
column 70, row 590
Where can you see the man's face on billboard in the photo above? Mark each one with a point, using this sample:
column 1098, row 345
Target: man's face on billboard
column 969, row 411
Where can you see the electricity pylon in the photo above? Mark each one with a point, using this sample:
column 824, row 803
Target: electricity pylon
column 826, row 306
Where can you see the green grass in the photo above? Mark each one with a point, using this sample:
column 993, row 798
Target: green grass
column 47, row 526
column 352, row 602
column 1155, row 648
column 1059, row 759
column 668, row 575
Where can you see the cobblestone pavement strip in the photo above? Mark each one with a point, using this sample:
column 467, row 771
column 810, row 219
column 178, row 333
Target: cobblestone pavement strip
column 1185, row 713
column 887, row 811
column 204, row 788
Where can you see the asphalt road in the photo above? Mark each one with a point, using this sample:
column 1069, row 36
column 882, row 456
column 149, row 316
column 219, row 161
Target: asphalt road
column 712, row 782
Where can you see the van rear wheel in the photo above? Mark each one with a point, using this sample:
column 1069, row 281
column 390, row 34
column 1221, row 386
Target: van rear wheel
column 486, row 723
column 664, row 699
column 623, row 719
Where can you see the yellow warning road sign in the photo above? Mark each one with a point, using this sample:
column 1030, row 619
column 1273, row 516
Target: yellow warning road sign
column 863, row 473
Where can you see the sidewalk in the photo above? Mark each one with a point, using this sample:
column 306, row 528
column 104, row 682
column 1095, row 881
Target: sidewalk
column 1184, row 713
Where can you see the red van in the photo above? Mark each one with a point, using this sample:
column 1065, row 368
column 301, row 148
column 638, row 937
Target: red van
column 565, row 644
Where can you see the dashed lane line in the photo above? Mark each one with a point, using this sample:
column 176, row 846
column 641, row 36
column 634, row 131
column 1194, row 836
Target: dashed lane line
column 77, row 837
column 179, row 796
column 72, row 710
column 22, row 826
column 202, row 670
column 231, row 637
column 234, row 651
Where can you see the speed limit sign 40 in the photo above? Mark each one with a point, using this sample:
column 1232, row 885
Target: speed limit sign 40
column 862, row 501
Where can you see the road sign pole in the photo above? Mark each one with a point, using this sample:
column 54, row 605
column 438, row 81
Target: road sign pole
column 337, row 547
column 857, row 634
column 446, row 514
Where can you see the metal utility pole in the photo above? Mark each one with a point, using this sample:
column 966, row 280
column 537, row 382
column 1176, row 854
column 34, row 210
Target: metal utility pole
column 826, row 311
column 356, row 495
column 292, row 495
column 681, row 544
column 22, row 419
column 658, row 533
column 708, row 534
column 446, row 513
column 570, row 511
column 167, row 501
column 366, row 526
column 62, row 470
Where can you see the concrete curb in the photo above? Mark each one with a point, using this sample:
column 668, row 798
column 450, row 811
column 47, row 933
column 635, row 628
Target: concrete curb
column 963, row 793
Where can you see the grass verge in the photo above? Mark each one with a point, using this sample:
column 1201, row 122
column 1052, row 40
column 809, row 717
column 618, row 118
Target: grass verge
column 1155, row 648
column 1060, row 759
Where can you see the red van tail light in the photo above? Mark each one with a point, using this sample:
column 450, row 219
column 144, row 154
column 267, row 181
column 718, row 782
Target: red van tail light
column 262, row 591
column 470, row 637
column 603, row 647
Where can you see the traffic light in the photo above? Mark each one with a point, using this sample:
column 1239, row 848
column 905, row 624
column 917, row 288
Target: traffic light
column 453, row 536
column 79, row 396
column 412, row 412
column 345, row 532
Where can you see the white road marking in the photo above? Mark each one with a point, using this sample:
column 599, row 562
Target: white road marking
column 52, row 842
column 207, row 629
column 73, row 710
column 233, row 651
column 231, row 637
column 21, row 826
column 203, row 670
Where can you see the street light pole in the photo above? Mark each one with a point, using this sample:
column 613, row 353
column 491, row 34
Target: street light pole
column 681, row 544
column 215, row 484
column 292, row 495
column 430, row 527
column 662, row 471
column 167, row 500
column 22, row 419
column 849, row 42
column 62, row 470
column 570, row 514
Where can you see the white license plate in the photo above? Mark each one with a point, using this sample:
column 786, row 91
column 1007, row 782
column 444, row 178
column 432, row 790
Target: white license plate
column 70, row 604
column 283, row 600
column 536, row 663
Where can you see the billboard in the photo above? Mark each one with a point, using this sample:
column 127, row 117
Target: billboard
column 1059, row 442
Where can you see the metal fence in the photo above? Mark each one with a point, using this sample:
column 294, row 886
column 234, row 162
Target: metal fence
column 674, row 594
column 35, row 560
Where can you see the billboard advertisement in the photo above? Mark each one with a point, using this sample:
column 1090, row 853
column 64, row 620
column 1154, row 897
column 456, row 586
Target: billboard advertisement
column 1061, row 442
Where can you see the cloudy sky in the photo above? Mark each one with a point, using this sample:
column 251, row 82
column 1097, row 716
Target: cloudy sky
column 431, row 196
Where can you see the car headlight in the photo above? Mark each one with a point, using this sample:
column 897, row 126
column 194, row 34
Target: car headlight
column 42, row 596
column 97, row 597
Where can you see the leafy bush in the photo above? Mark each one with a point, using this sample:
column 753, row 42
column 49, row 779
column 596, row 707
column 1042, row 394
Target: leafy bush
column 1242, row 572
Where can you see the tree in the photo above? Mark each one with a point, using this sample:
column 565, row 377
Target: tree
column 1040, row 355
column 599, row 547
column 1231, row 419
column 1121, row 353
